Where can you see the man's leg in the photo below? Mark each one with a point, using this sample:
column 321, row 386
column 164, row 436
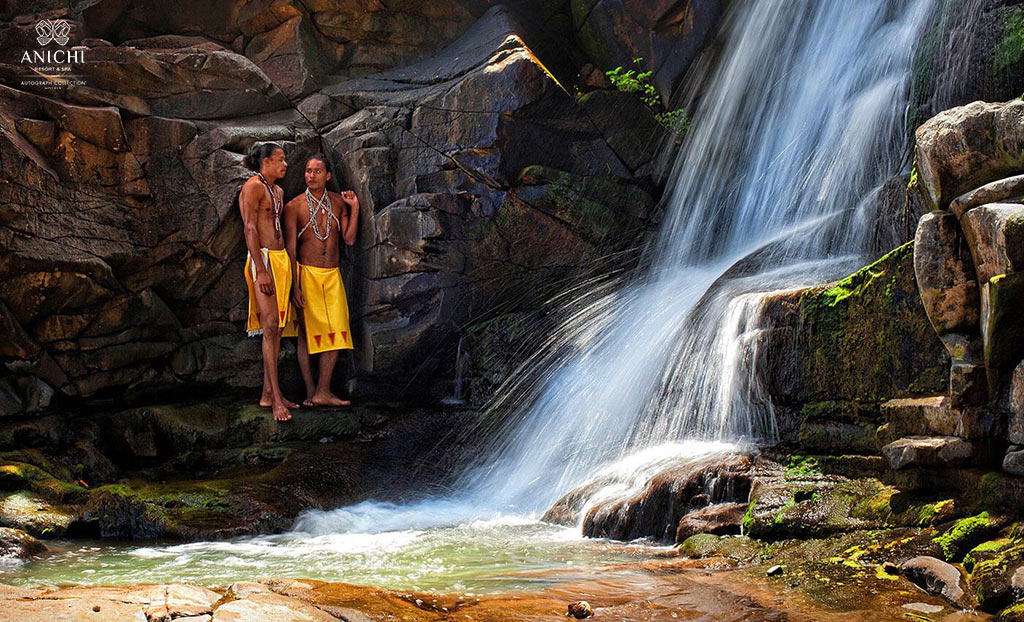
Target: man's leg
column 302, row 352
column 323, row 395
column 271, row 347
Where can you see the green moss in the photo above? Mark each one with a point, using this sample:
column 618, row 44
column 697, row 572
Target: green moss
column 963, row 535
column 802, row 466
column 868, row 337
column 984, row 551
column 1010, row 47
column 1013, row 613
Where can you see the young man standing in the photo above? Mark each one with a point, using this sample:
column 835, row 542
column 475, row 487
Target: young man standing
column 316, row 222
column 268, row 270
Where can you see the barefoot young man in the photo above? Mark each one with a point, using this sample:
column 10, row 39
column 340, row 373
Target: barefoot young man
column 268, row 270
column 316, row 222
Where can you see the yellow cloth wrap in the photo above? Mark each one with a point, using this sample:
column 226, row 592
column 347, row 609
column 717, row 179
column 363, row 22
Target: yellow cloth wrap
column 326, row 310
column 280, row 267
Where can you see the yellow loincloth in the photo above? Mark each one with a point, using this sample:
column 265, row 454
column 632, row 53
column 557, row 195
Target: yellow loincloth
column 280, row 267
column 326, row 310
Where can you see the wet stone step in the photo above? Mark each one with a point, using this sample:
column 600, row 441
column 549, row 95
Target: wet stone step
column 916, row 451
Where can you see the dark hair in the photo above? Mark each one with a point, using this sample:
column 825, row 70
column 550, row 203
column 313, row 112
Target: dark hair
column 322, row 158
column 257, row 153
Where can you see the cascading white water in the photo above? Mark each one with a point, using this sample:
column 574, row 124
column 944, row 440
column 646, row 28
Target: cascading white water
column 799, row 118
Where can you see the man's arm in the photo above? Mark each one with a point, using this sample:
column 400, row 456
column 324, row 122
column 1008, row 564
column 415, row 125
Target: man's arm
column 351, row 218
column 291, row 243
column 249, row 204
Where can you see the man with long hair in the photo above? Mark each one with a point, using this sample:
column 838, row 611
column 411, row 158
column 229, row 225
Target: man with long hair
column 268, row 269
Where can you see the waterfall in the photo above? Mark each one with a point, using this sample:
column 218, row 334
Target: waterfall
column 800, row 116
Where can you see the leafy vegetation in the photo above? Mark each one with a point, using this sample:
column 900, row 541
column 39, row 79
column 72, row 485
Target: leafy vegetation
column 802, row 466
column 1010, row 48
column 639, row 82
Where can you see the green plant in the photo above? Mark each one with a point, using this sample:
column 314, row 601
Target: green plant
column 639, row 82
column 801, row 466
column 1010, row 47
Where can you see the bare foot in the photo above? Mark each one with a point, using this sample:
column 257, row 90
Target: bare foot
column 328, row 399
column 308, row 402
column 281, row 413
column 266, row 402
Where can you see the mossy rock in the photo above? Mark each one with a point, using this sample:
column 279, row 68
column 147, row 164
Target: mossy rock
column 24, row 476
column 965, row 534
column 181, row 510
column 991, row 579
column 1013, row 613
column 867, row 337
column 819, row 506
column 740, row 548
column 35, row 516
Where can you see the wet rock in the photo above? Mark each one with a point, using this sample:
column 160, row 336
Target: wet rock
column 270, row 607
column 949, row 451
column 992, row 579
column 719, row 519
column 967, row 533
column 994, row 192
column 995, row 235
column 774, row 571
column 33, row 515
column 580, row 610
column 1013, row 461
column 945, row 274
column 18, row 544
column 740, row 548
column 1002, row 298
column 864, row 338
column 937, row 578
column 657, row 509
column 965, row 147
column 1015, row 405
column 72, row 609
column 940, row 415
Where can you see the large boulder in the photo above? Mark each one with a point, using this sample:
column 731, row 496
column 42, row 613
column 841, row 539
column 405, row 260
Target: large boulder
column 965, row 147
column 864, row 338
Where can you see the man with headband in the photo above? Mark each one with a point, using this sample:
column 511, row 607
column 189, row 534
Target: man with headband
column 316, row 222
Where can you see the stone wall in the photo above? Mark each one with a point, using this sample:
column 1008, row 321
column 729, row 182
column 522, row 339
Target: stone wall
column 486, row 186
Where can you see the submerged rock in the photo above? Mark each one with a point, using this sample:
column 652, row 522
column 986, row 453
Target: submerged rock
column 580, row 610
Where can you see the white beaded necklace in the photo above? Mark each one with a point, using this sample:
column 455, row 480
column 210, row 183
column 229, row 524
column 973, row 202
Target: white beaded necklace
column 315, row 205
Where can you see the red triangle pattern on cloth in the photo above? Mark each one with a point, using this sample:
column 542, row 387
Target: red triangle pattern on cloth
column 331, row 335
column 295, row 324
column 282, row 316
column 344, row 335
column 317, row 337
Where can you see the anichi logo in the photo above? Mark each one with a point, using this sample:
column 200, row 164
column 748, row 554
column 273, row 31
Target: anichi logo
column 53, row 66
column 56, row 31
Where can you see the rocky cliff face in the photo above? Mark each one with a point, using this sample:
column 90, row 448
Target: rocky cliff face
column 487, row 188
